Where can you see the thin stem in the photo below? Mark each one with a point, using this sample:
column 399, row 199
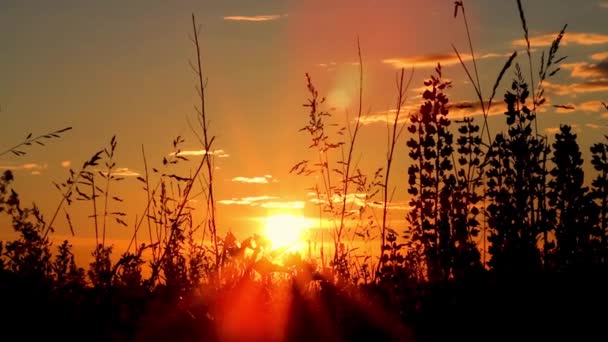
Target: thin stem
column 211, row 201
column 389, row 161
column 95, row 209
column 352, row 145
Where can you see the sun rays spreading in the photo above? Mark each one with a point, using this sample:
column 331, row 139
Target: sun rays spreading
column 287, row 231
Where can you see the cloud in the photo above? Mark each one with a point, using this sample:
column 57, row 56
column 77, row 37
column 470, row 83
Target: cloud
column 268, row 202
column 587, row 107
column 359, row 200
column 247, row 200
column 579, row 38
column 458, row 110
column 122, row 172
column 588, row 70
column 218, row 153
column 66, row 164
column 394, row 206
column 284, row 205
column 254, row 180
column 327, row 65
column 430, row 61
column 125, row 172
column 30, row 166
column 593, row 126
column 27, row 166
column 555, row 130
column 577, row 88
column 355, row 198
column 389, row 116
column 254, row 18
column 36, row 173
column 600, row 56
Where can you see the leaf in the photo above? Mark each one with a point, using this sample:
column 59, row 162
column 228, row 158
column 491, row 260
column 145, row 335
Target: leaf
column 501, row 74
column 118, row 220
column 64, row 130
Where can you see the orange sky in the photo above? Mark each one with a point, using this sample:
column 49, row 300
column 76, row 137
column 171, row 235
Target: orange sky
column 109, row 68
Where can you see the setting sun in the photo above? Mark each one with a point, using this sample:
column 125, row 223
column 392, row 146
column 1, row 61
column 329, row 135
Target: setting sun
column 285, row 230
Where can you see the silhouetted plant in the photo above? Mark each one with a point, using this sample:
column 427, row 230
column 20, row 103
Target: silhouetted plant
column 466, row 197
column 29, row 255
column 394, row 135
column 18, row 150
column 100, row 269
column 516, row 188
column 431, row 180
column 575, row 212
column 207, row 144
column 334, row 195
column 599, row 191
column 70, row 187
column 68, row 276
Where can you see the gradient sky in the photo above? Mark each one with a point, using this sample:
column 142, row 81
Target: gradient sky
column 121, row 68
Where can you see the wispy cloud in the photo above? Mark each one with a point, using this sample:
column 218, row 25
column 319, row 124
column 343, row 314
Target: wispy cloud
column 284, row 205
column 189, row 153
column 254, row 180
column 122, row 172
column 577, row 88
column 327, row 65
column 555, row 130
column 125, row 172
column 33, row 168
column 254, row 201
column 457, row 110
column 26, row 166
column 586, row 107
column 594, row 126
column 393, row 206
column 389, row 116
column 600, row 56
column 588, row 70
column 460, row 109
column 66, row 164
column 255, row 18
column 358, row 199
column 431, row 60
column 268, row 202
column 579, row 38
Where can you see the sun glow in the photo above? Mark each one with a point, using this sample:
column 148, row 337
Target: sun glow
column 286, row 230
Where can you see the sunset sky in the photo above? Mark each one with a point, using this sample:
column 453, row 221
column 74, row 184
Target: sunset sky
column 121, row 68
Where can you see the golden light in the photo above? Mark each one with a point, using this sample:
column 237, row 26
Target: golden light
column 286, row 230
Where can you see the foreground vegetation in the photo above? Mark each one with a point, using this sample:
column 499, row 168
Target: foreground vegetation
column 504, row 238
